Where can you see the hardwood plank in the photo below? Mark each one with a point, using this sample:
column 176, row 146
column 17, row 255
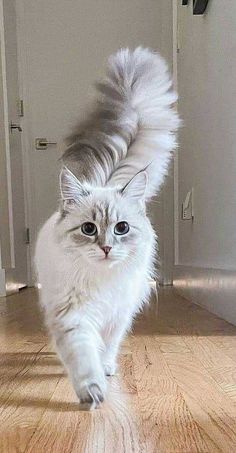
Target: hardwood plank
column 231, row 352
column 208, row 353
column 212, row 410
column 219, row 365
column 226, row 379
column 24, row 397
column 168, row 423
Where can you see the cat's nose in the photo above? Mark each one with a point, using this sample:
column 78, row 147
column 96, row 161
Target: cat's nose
column 106, row 249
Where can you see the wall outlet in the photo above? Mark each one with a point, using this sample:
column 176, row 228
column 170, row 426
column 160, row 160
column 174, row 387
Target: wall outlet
column 187, row 207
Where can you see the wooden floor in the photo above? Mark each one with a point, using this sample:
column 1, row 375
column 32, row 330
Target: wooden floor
column 175, row 392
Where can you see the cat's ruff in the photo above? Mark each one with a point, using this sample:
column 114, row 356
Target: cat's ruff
column 95, row 255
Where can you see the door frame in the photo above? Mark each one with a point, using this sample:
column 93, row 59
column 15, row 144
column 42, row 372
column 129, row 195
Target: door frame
column 9, row 259
column 7, row 255
column 26, row 137
column 176, row 159
column 170, row 199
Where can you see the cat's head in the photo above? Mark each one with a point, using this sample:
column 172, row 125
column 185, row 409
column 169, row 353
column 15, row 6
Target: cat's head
column 105, row 225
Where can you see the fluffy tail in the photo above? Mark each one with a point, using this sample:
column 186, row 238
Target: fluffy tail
column 133, row 126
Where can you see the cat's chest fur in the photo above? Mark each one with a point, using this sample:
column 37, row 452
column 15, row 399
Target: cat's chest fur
column 102, row 300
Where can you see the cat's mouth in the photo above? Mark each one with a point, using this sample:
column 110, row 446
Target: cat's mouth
column 106, row 259
column 109, row 260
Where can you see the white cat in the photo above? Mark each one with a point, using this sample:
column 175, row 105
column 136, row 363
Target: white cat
column 95, row 255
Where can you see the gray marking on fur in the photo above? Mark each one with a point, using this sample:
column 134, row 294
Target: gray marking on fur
column 64, row 310
column 71, row 329
column 73, row 229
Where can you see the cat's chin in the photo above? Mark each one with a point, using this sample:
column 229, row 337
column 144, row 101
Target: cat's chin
column 106, row 263
column 110, row 263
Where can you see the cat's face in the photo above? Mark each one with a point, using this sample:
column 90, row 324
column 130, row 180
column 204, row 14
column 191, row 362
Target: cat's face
column 105, row 225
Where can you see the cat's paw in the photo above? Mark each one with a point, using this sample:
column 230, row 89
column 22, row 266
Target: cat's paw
column 91, row 395
column 110, row 368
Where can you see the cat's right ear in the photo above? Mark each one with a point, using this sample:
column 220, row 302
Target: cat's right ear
column 71, row 188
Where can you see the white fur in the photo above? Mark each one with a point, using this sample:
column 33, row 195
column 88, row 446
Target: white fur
column 96, row 299
column 147, row 112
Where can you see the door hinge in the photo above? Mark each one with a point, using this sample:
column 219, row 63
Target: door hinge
column 27, row 236
column 20, row 107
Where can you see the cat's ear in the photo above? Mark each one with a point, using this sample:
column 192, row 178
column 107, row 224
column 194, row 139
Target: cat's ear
column 136, row 187
column 71, row 188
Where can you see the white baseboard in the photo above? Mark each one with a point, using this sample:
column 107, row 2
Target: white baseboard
column 2, row 283
column 213, row 289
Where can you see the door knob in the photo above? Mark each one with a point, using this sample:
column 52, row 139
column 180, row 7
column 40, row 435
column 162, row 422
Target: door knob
column 43, row 143
column 15, row 126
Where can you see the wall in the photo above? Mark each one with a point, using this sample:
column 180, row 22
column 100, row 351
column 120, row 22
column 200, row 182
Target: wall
column 207, row 157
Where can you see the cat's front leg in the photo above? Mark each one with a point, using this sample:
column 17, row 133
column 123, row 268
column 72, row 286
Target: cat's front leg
column 78, row 349
column 113, row 342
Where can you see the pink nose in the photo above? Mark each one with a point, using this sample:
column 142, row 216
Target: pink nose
column 106, row 249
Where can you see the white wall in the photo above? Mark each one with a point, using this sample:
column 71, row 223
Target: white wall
column 207, row 158
column 207, row 155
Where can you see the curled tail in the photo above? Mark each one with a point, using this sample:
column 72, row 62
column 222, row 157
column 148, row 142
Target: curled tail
column 133, row 126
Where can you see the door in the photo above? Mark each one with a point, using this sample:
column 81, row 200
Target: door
column 14, row 265
column 66, row 44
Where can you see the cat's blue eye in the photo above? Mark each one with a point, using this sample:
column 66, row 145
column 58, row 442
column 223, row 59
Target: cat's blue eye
column 121, row 228
column 89, row 228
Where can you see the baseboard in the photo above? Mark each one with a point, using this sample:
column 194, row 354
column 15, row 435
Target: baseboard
column 2, row 283
column 213, row 289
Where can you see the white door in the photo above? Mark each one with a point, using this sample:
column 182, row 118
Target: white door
column 66, row 44
column 16, row 266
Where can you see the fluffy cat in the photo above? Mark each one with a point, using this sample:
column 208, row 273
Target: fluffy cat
column 95, row 255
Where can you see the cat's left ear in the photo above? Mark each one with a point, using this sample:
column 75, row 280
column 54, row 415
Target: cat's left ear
column 71, row 188
column 136, row 187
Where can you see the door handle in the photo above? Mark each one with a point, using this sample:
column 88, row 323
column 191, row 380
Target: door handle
column 199, row 6
column 43, row 143
column 15, row 126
